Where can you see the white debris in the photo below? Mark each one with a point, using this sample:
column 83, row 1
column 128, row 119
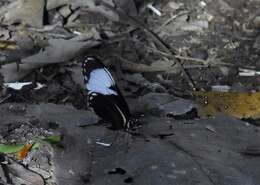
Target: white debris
column 202, row 4
column 198, row 25
column 221, row 88
column 248, row 72
column 103, row 144
column 155, row 10
column 17, row 85
column 211, row 128
column 77, row 32
column 39, row 86
column 175, row 6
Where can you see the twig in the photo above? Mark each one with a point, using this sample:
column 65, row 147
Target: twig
column 178, row 56
column 166, row 49
column 153, row 9
column 171, row 19
column 132, row 21
column 207, row 63
column 5, row 98
column 143, row 68
column 127, row 65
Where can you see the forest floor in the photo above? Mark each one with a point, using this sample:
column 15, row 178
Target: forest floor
column 159, row 58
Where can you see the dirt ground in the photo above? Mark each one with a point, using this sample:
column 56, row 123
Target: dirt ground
column 159, row 52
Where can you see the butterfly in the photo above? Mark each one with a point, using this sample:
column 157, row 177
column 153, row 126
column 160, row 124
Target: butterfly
column 103, row 94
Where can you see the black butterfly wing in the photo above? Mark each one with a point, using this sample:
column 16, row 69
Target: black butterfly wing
column 104, row 95
column 106, row 108
column 121, row 102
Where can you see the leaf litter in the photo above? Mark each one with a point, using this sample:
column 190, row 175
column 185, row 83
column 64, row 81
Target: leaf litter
column 143, row 41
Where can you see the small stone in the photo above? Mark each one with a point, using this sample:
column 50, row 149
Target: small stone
column 180, row 172
column 256, row 45
column 171, row 176
column 154, row 167
column 29, row 12
column 202, row 4
column 173, row 5
column 65, row 11
column 256, row 22
column 129, row 180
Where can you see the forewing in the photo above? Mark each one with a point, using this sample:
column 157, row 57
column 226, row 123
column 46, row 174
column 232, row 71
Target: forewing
column 101, row 81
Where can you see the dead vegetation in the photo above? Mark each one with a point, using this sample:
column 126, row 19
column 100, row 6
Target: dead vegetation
column 160, row 52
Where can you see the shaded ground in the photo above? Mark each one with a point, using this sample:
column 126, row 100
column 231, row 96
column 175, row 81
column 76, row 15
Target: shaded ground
column 166, row 152
column 214, row 41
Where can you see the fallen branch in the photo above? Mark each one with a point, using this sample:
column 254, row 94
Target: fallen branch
column 134, row 22
column 143, row 68
column 57, row 51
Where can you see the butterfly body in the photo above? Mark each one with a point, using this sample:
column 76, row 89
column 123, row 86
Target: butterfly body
column 104, row 96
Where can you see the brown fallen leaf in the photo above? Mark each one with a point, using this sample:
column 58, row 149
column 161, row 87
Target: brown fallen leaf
column 237, row 104
column 21, row 154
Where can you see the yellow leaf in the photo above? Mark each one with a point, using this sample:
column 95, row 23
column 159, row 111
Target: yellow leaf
column 237, row 104
column 21, row 154
column 7, row 45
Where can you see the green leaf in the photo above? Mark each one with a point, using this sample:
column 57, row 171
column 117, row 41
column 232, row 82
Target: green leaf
column 54, row 139
column 36, row 145
column 8, row 149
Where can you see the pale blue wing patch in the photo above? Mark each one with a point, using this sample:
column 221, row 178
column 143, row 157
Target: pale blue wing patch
column 100, row 81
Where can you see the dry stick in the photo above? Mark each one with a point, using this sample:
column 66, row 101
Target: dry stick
column 131, row 66
column 5, row 98
column 166, row 49
column 180, row 57
column 132, row 21
column 171, row 19
column 143, row 68
column 206, row 63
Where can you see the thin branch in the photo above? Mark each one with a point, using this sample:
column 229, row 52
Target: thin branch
column 143, row 68
column 205, row 62
column 136, row 23
column 5, row 98
column 171, row 19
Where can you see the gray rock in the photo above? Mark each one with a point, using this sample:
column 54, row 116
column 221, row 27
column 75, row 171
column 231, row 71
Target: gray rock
column 27, row 11
column 178, row 107
column 151, row 103
column 136, row 79
column 256, row 45
column 256, row 21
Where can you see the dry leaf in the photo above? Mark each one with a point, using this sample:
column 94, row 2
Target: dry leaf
column 21, row 154
column 237, row 104
column 27, row 11
column 58, row 50
column 7, row 45
column 20, row 173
